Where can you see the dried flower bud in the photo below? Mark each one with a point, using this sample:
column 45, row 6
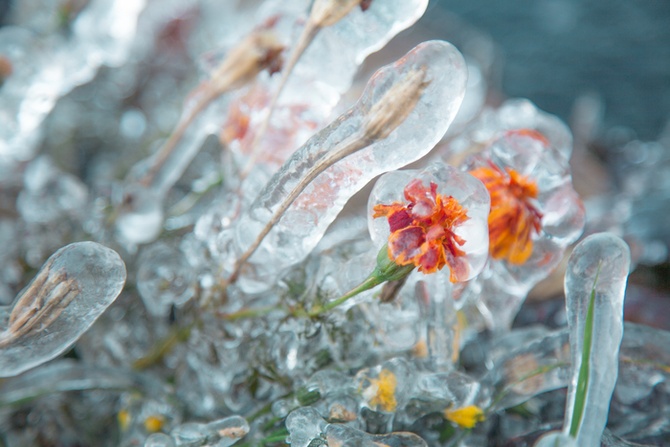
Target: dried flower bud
column 395, row 105
column 329, row 12
column 256, row 52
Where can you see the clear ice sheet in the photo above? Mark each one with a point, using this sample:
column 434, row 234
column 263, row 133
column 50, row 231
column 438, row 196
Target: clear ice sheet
column 601, row 262
column 305, row 222
column 98, row 274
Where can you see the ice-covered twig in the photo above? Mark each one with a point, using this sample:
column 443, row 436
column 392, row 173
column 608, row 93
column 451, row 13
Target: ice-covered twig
column 324, row 13
column 255, row 53
column 382, row 119
column 379, row 134
column 73, row 288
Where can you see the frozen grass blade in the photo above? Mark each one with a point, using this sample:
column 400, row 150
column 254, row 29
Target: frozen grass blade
column 595, row 285
column 584, row 369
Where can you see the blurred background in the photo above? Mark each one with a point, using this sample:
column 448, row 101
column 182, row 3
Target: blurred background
column 556, row 50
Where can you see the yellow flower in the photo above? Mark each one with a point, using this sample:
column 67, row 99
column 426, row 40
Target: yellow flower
column 384, row 391
column 466, row 417
column 154, row 423
column 124, row 419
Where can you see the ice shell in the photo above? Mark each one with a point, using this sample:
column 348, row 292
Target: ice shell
column 97, row 274
column 513, row 114
column 600, row 262
column 164, row 278
column 470, row 193
column 305, row 222
column 304, row 425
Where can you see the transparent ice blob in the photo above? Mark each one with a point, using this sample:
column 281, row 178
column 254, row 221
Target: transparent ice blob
column 71, row 290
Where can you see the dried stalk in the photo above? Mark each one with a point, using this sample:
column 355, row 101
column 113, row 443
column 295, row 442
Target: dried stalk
column 256, row 52
column 40, row 305
column 324, row 13
column 382, row 119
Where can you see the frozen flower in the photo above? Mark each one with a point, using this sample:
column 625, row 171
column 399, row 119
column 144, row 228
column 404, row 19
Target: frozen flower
column 423, row 231
column 440, row 222
column 531, row 195
column 535, row 214
column 514, row 220
column 466, row 417
column 381, row 392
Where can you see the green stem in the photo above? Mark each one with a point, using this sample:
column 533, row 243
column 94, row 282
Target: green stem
column 585, row 367
column 247, row 313
column 163, row 347
column 368, row 284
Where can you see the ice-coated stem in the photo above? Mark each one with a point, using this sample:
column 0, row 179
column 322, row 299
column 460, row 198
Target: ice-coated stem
column 176, row 136
column 253, row 54
column 595, row 284
column 428, row 83
column 349, row 147
column 323, row 13
column 383, row 118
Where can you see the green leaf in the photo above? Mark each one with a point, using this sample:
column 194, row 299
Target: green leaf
column 585, row 367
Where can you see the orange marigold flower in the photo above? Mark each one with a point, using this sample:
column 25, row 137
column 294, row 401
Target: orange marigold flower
column 513, row 219
column 422, row 231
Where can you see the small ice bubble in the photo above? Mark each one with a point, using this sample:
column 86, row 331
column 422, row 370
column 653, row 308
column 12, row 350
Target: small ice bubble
column 227, row 431
column 164, row 278
column 133, row 124
column 71, row 290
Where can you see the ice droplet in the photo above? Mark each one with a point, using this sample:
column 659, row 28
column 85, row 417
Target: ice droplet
column 71, row 290
column 595, row 283
column 164, row 278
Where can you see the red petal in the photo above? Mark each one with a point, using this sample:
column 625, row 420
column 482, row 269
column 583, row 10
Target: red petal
column 405, row 244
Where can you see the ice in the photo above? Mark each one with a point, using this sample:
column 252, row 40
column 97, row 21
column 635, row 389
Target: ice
column 69, row 375
column 306, row 219
column 149, row 181
column 50, row 194
column 340, row 436
column 556, row 439
column 220, row 433
column 321, row 75
column 101, row 34
column 467, row 190
column 159, row 440
column 164, row 278
column 595, row 284
column 512, row 114
column 71, row 290
column 304, row 425
column 546, row 219
column 527, row 362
